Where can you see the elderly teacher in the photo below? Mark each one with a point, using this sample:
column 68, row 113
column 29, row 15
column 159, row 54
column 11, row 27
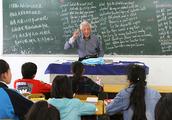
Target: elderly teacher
column 87, row 44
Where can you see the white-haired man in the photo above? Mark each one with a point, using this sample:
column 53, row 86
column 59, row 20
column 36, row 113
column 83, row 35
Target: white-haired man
column 87, row 44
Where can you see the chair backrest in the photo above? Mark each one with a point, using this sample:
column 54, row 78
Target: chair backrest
column 39, row 95
column 36, row 97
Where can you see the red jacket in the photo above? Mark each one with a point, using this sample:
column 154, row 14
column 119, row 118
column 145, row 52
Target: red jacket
column 31, row 86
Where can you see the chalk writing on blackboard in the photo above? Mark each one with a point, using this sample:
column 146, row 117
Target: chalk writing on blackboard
column 136, row 27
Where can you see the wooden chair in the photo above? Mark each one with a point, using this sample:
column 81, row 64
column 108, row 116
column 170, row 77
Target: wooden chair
column 36, row 97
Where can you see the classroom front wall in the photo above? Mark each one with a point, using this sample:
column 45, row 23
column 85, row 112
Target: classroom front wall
column 159, row 67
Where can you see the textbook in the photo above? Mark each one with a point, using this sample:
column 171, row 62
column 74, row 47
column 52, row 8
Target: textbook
column 92, row 99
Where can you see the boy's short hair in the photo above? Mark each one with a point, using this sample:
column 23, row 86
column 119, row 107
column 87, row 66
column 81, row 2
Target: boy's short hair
column 28, row 70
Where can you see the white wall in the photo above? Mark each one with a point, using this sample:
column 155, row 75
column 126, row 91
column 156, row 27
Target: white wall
column 160, row 72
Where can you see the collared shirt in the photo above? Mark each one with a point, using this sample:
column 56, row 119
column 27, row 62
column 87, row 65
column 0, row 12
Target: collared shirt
column 91, row 46
column 121, row 102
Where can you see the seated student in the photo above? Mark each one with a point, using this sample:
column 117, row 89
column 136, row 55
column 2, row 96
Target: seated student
column 41, row 110
column 12, row 105
column 82, row 84
column 163, row 110
column 62, row 98
column 137, row 102
column 30, row 85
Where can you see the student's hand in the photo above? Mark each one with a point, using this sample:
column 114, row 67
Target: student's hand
column 107, row 101
column 99, row 81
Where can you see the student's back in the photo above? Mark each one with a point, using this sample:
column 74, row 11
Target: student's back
column 12, row 104
column 137, row 102
column 30, row 85
column 72, row 109
column 121, row 103
column 85, row 85
column 82, row 84
column 62, row 98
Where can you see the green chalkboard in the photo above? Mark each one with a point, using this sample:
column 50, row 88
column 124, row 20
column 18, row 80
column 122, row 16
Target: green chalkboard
column 125, row 27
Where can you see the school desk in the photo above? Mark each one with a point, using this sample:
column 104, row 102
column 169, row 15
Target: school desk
column 99, row 104
column 83, row 96
column 117, row 87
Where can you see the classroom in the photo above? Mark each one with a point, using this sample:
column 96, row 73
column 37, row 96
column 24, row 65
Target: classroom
column 159, row 60
column 159, row 74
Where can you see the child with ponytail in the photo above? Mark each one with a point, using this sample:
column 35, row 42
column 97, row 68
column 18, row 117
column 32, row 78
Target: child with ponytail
column 137, row 102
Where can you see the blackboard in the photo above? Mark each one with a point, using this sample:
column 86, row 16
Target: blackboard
column 125, row 27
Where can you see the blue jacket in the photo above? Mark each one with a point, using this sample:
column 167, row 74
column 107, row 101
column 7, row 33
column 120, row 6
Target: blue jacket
column 121, row 101
column 72, row 109
column 13, row 105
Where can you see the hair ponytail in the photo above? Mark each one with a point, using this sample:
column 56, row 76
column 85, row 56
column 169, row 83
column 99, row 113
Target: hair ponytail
column 137, row 76
column 77, row 69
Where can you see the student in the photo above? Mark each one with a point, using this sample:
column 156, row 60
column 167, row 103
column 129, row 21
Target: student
column 62, row 98
column 87, row 44
column 12, row 104
column 41, row 110
column 163, row 110
column 30, row 85
column 137, row 102
column 82, row 84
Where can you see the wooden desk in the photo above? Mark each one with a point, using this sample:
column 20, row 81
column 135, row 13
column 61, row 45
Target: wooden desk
column 162, row 89
column 118, row 87
column 113, row 88
column 83, row 97
column 100, row 107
